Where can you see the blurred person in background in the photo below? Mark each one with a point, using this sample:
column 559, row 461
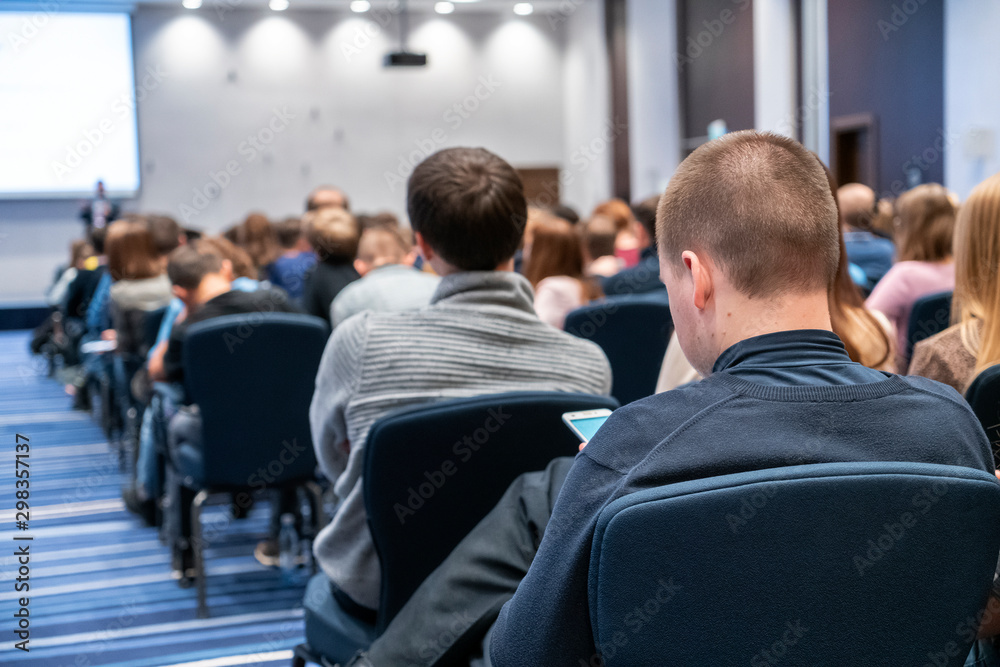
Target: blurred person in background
column 333, row 234
column 554, row 267
column 289, row 270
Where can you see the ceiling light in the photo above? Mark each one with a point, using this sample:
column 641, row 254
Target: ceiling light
column 523, row 8
column 278, row 5
column 191, row 4
column 360, row 6
column 444, row 7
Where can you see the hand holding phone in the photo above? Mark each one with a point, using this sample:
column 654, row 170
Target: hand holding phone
column 586, row 423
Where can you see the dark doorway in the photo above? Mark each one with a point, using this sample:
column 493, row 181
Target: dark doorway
column 854, row 140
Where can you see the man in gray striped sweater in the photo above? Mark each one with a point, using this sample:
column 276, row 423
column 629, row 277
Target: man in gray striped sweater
column 479, row 335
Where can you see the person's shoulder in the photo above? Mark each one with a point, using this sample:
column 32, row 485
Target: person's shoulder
column 938, row 393
column 640, row 425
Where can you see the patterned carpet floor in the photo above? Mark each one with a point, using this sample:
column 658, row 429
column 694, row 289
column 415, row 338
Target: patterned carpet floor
column 101, row 591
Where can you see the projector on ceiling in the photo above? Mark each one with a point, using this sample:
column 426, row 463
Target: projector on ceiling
column 405, row 59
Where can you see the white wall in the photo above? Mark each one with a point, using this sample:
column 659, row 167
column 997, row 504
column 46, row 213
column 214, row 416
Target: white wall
column 311, row 89
column 972, row 92
column 588, row 129
column 654, row 110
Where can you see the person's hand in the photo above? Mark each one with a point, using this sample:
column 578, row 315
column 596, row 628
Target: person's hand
column 110, row 335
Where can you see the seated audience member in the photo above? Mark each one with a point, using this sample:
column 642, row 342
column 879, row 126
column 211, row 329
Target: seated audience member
column 599, row 248
column 958, row 354
column 926, row 224
column 79, row 251
column 884, row 218
column 289, row 270
column 333, row 234
column 866, row 335
column 467, row 208
column 757, row 326
column 256, row 236
column 645, row 276
column 555, row 269
column 867, row 250
column 388, row 280
column 167, row 234
column 327, row 196
column 627, row 245
column 140, row 283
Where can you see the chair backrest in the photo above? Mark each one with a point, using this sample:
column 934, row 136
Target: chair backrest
column 252, row 377
column 984, row 397
column 433, row 472
column 826, row 564
column 931, row 314
column 633, row 331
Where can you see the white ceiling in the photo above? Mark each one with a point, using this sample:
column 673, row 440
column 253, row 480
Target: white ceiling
column 461, row 6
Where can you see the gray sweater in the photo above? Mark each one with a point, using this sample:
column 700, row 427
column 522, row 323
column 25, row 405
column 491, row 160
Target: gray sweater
column 480, row 335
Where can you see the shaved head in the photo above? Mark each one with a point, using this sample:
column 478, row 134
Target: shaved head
column 760, row 206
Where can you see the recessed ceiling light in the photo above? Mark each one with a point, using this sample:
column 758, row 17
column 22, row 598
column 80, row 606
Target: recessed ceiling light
column 360, row 6
column 191, row 4
column 444, row 7
column 523, row 8
column 278, row 5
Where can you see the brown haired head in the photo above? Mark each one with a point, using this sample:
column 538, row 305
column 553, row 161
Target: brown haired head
column 225, row 249
column 555, row 251
column 131, row 251
column 468, row 205
column 759, row 204
column 256, row 236
column 926, row 224
column 618, row 210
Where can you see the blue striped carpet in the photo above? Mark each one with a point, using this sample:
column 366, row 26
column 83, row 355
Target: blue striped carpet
column 101, row 591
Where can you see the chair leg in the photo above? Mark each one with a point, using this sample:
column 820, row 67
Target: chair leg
column 197, row 546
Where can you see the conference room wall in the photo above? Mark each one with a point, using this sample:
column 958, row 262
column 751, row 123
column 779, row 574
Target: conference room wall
column 310, row 84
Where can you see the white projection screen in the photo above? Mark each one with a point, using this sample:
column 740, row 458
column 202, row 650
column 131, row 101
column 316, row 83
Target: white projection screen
column 67, row 105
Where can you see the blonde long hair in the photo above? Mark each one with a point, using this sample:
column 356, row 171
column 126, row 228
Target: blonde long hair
column 977, row 273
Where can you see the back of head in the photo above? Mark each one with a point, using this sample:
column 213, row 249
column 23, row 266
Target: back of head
column 382, row 245
column 857, row 205
column 98, row 238
column 189, row 264
column 760, row 205
column 333, row 234
column 131, row 251
column 382, row 219
column 926, row 223
column 79, row 250
column 288, row 232
column 599, row 236
column 219, row 245
column 618, row 210
column 256, row 236
column 977, row 271
column 166, row 233
column 566, row 213
column 555, row 251
column 468, row 204
column 327, row 196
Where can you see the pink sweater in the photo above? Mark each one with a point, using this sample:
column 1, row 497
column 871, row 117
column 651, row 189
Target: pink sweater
column 902, row 285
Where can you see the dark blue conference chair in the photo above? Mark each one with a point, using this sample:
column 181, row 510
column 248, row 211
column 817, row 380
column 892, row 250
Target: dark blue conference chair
column 829, row 564
column 931, row 314
column 252, row 377
column 633, row 331
column 984, row 397
column 431, row 474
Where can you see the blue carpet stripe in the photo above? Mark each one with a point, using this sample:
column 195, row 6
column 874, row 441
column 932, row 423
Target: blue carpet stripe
column 101, row 588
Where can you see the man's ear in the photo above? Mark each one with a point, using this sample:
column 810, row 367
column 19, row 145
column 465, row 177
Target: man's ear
column 702, row 279
column 227, row 270
column 425, row 248
column 180, row 292
column 361, row 267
